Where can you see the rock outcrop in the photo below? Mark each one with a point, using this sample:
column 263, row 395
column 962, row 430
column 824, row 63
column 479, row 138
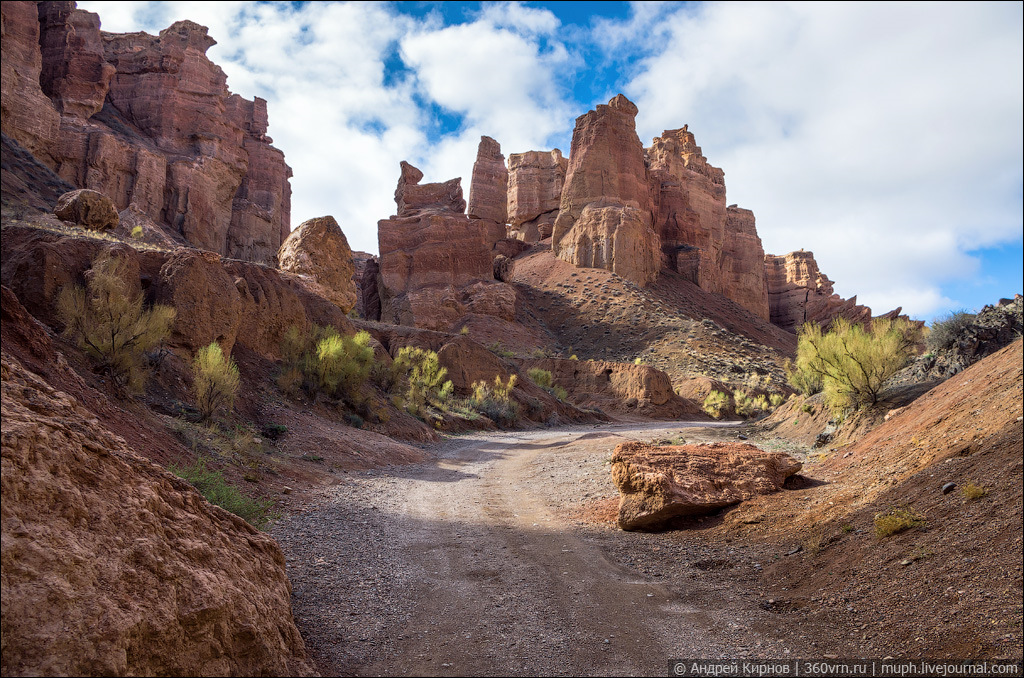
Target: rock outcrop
column 318, row 252
column 658, row 484
column 146, row 120
column 89, row 209
column 607, row 174
column 713, row 246
column 798, row 293
column 113, row 566
column 535, row 181
column 437, row 264
column 488, row 189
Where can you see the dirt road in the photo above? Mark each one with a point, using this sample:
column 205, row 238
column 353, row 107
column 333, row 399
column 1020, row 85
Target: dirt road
column 478, row 563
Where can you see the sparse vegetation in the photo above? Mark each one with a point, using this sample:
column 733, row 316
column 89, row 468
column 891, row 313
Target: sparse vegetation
column 944, row 331
column 776, row 399
column 424, row 377
column 898, row 519
column 495, row 401
column 321, row 361
column 716, row 404
column 497, row 349
column 212, row 485
column 546, row 381
column 464, row 331
column 137, row 232
column 215, row 381
column 852, row 363
column 108, row 320
column 971, row 491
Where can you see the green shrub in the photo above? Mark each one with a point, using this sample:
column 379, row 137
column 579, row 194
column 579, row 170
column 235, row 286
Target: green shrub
column 425, row 379
column 215, row 380
column 497, row 349
column 110, row 323
column 321, row 361
column 944, row 331
column 213, row 486
column 806, row 382
column 743, row 404
column 561, row 393
column 136, row 232
column 495, row 401
column 776, row 399
column 716, row 404
column 540, row 377
column 851, row 362
column 897, row 520
column 972, row 491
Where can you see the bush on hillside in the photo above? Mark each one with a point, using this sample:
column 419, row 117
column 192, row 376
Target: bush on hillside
column 716, row 404
column 425, row 379
column 495, row 400
column 944, row 331
column 322, row 361
column 109, row 321
column 215, row 380
column 851, row 362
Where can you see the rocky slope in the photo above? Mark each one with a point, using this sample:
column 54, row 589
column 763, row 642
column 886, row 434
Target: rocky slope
column 111, row 565
column 148, row 121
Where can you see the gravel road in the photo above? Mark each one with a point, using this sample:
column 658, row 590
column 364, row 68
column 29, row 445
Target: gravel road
column 478, row 563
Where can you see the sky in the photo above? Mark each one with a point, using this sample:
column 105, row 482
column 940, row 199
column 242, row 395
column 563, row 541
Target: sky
column 884, row 137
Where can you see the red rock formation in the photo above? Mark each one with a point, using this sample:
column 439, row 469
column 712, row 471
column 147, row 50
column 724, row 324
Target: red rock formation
column 114, row 566
column 657, row 484
column 318, row 252
column 437, row 264
column 146, row 120
column 607, row 171
column 798, row 293
column 488, row 190
column 535, row 181
column 713, row 246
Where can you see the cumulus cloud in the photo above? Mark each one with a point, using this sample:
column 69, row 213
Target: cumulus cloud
column 885, row 138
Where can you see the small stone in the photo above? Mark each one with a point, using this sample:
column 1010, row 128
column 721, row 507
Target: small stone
column 286, row 490
column 948, row 487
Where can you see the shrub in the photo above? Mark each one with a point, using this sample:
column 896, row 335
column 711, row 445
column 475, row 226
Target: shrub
column 464, row 331
column 716, row 404
column 213, row 486
column 561, row 393
column 945, row 330
column 214, row 380
column 775, row 399
column 136, row 232
column 851, row 362
column 425, row 378
column 806, row 382
column 971, row 491
column 497, row 349
column 540, row 377
column 321, row 361
column 110, row 323
column 897, row 520
column 495, row 401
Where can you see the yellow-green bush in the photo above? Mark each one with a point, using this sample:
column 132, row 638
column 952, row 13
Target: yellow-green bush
column 424, row 377
column 215, row 380
column 321, row 361
column 897, row 520
column 110, row 323
column 716, row 404
column 852, row 363
column 495, row 400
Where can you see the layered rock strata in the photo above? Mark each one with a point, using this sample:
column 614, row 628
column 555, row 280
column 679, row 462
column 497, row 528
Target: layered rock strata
column 607, row 174
column 798, row 292
column 535, row 181
column 146, row 120
column 436, row 264
column 488, row 189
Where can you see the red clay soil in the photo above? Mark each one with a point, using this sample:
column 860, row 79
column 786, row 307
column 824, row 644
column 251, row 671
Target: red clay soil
column 951, row 587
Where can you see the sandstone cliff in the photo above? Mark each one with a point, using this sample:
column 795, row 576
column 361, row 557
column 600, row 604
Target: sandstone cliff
column 798, row 293
column 148, row 121
column 436, row 264
column 535, row 181
column 488, row 190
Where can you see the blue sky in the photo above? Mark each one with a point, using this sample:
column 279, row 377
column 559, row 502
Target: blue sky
column 884, row 137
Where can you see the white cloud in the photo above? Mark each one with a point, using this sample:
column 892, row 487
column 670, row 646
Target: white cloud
column 886, row 138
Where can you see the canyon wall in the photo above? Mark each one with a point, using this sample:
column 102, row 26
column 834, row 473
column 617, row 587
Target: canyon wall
column 798, row 293
column 148, row 121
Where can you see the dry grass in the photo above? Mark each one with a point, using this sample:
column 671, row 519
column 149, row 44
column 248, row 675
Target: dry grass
column 897, row 520
column 971, row 491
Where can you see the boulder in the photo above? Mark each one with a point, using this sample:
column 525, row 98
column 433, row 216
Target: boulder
column 88, row 209
column 206, row 298
column 657, row 484
column 114, row 566
column 488, row 189
column 318, row 252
